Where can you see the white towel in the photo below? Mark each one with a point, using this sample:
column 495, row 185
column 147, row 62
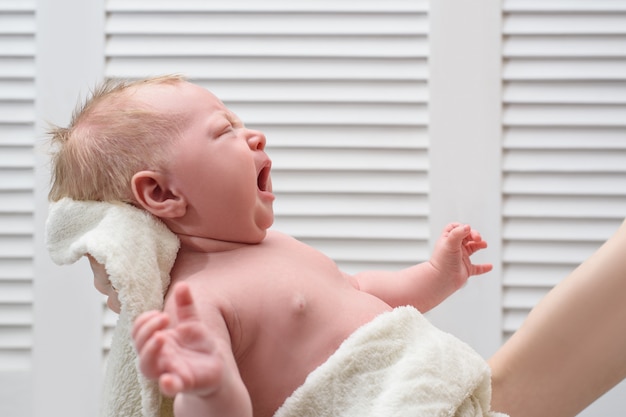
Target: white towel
column 138, row 252
column 398, row 365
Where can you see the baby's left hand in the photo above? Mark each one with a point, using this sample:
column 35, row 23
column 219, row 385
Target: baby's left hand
column 451, row 256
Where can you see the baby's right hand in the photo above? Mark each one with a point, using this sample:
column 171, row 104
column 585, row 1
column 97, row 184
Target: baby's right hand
column 183, row 357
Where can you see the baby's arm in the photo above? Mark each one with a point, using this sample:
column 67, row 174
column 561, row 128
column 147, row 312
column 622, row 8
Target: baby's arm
column 427, row 284
column 190, row 361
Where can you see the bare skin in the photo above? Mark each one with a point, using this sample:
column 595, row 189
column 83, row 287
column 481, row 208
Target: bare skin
column 265, row 302
column 569, row 352
column 273, row 312
column 572, row 347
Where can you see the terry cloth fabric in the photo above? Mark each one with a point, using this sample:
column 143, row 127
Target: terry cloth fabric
column 138, row 252
column 398, row 365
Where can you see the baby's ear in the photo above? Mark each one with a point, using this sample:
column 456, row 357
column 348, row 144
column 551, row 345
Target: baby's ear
column 152, row 192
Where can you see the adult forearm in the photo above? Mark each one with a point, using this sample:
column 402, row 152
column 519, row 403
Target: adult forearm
column 571, row 349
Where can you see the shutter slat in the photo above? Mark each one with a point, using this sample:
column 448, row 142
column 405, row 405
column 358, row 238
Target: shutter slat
column 18, row 6
column 15, row 337
column 350, row 159
column 16, row 201
column 17, row 68
column 565, row 46
column 16, row 133
column 563, row 137
column 247, row 68
column 610, row 92
column 560, row 23
column 563, row 5
column 284, row 6
column 381, row 137
column 527, row 205
column 17, row 90
column 22, row 46
column 523, row 298
column 16, row 269
column 263, row 45
column 15, row 293
column 16, row 179
column 582, row 230
column 368, row 91
column 16, row 245
column 396, row 250
column 380, row 183
column 565, row 115
column 16, row 314
column 565, row 69
column 269, row 24
column 583, row 185
column 290, row 204
column 560, row 160
column 17, row 156
column 405, row 114
column 534, row 275
column 569, row 253
column 17, row 111
column 18, row 223
column 17, row 22
column 351, row 227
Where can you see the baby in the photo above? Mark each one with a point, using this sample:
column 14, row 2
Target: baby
column 263, row 300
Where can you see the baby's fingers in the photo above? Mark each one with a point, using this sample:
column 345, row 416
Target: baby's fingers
column 458, row 233
column 481, row 269
column 147, row 325
column 450, row 227
column 150, row 356
column 171, row 384
column 185, row 307
column 474, row 246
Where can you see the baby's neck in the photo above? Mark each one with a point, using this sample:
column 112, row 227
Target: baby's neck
column 190, row 243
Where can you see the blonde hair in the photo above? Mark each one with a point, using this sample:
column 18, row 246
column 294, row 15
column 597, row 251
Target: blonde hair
column 111, row 137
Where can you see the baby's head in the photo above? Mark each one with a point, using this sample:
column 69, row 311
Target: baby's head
column 173, row 149
column 113, row 135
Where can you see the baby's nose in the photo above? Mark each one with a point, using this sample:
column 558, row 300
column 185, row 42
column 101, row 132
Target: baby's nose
column 256, row 140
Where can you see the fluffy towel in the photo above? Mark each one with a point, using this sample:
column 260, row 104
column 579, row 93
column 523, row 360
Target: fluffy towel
column 138, row 252
column 398, row 365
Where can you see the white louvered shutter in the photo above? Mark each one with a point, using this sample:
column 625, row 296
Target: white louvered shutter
column 564, row 143
column 17, row 70
column 339, row 88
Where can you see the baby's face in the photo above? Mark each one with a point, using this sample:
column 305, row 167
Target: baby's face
column 219, row 167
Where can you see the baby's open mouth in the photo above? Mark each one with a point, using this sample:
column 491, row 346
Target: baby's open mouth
column 262, row 180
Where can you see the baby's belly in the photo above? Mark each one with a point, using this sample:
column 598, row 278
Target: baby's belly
column 291, row 346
